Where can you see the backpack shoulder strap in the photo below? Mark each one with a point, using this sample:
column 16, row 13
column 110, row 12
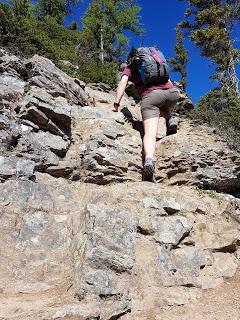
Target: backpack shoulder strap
column 156, row 55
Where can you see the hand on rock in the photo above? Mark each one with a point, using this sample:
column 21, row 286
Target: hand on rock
column 115, row 107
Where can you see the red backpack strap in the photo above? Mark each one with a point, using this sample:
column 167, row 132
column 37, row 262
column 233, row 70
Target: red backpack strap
column 156, row 57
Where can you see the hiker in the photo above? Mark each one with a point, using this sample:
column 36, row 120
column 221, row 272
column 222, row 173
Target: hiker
column 148, row 70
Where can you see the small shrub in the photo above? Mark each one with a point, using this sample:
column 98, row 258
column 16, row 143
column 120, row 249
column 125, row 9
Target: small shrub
column 94, row 71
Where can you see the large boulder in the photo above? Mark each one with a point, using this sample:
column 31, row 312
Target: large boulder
column 197, row 156
column 109, row 251
column 42, row 148
column 37, row 104
column 48, row 113
column 43, row 73
column 113, row 154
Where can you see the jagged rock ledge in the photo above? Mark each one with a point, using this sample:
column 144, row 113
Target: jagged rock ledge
column 81, row 236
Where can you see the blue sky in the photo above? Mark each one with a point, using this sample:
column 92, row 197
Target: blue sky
column 159, row 19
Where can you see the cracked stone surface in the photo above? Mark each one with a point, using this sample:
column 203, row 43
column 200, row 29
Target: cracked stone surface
column 82, row 237
column 124, row 257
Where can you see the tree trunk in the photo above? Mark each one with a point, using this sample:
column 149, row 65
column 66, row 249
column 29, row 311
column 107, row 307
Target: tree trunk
column 101, row 46
column 228, row 76
column 233, row 75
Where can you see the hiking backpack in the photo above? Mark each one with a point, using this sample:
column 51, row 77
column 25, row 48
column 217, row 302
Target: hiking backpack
column 151, row 64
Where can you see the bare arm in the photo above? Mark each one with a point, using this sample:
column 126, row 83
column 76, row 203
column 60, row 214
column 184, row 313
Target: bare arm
column 120, row 91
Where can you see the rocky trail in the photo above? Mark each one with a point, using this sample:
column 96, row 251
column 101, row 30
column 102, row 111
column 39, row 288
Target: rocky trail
column 82, row 237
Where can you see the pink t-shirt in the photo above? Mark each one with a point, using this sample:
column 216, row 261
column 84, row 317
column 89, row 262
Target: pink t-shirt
column 143, row 90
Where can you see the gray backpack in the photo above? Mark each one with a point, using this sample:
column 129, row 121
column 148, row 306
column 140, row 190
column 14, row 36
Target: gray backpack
column 152, row 65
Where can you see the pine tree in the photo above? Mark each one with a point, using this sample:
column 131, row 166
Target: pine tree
column 180, row 59
column 56, row 9
column 210, row 24
column 21, row 7
column 7, row 28
column 104, row 25
column 73, row 26
column 14, row 18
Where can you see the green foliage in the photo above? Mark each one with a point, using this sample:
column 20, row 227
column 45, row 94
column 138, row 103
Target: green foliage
column 210, row 193
column 21, row 7
column 104, row 25
column 180, row 60
column 7, row 29
column 221, row 109
column 62, row 40
column 23, row 34
column 210, row 25
column 56, row 9
column 73, row 26
column 26, row 30
column 16, row 27
column 94, row 71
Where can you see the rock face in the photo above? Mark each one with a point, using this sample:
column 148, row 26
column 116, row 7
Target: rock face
column 184, row 104
column 82, row 237
column 200, row 158
column 111, row 250
column 36, row 107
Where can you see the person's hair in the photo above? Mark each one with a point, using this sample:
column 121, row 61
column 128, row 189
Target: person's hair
column 131, row 55
column 133, row 59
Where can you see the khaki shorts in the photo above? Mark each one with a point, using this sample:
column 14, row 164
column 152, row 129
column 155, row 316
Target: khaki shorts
column 158, row 100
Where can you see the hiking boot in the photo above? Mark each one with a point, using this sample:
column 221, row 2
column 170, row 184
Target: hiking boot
column 148, row 170
column 171, row 124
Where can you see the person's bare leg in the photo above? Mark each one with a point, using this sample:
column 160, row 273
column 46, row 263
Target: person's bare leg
column 150, row 133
